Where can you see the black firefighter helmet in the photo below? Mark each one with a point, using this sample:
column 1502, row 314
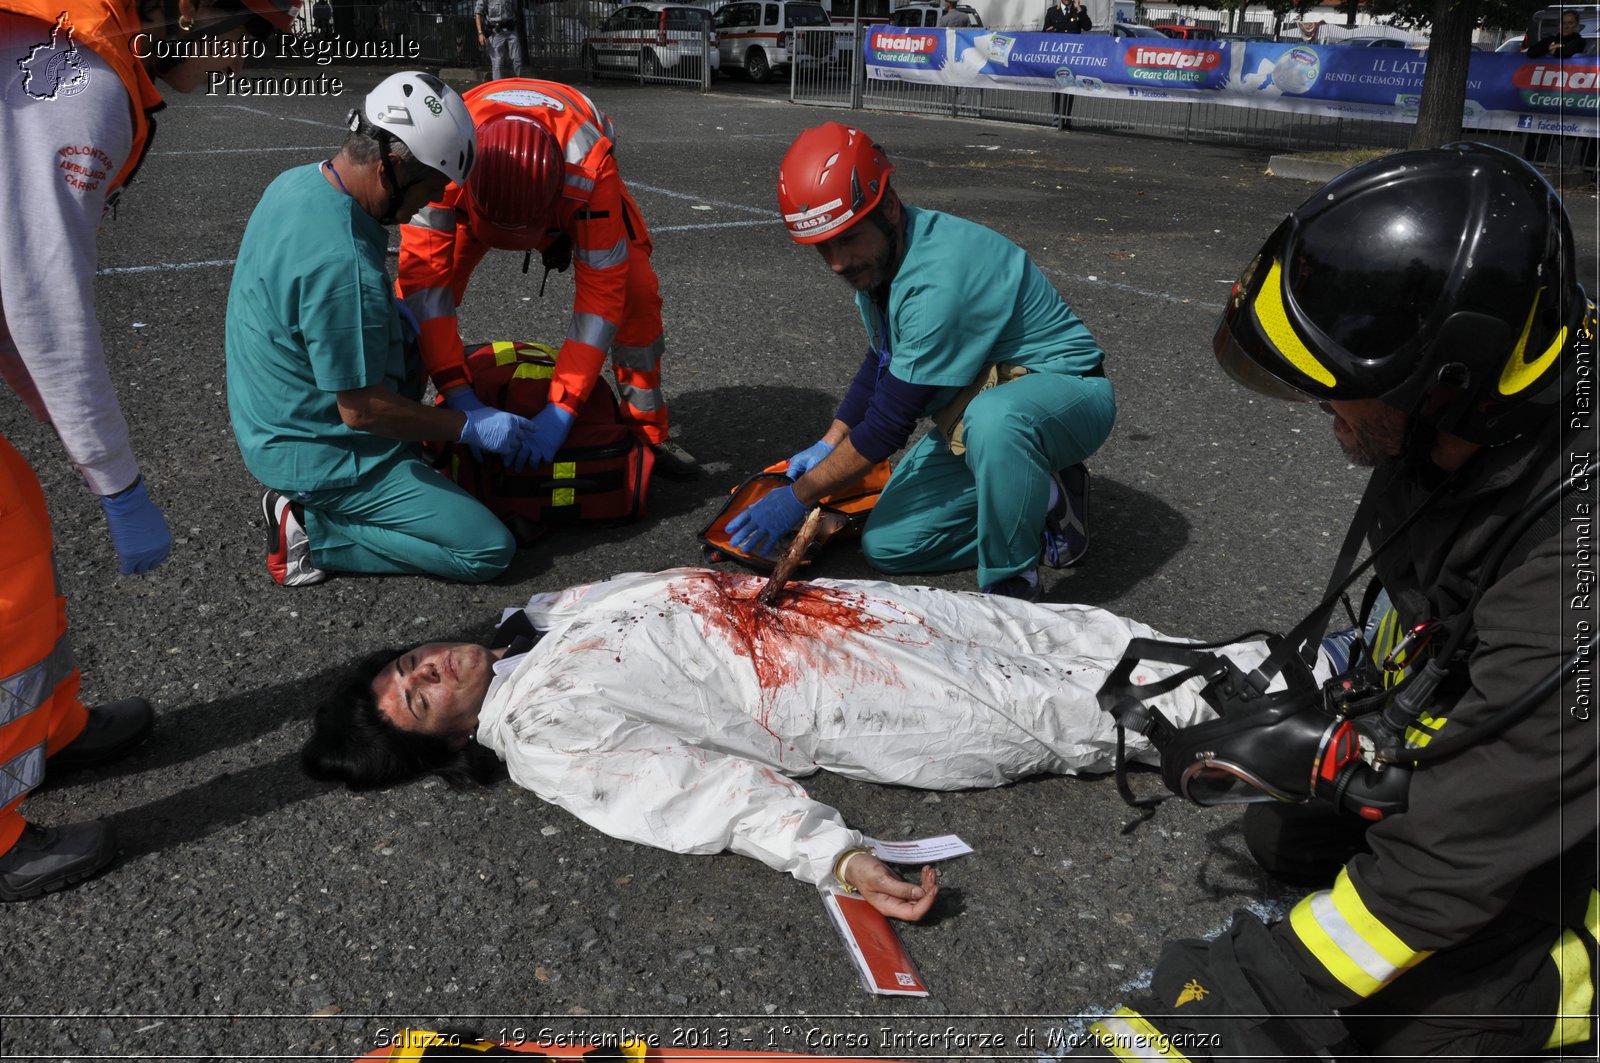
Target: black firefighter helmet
column 1442, row 282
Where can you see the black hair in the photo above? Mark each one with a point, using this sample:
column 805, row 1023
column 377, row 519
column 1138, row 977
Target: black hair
column 352, row 743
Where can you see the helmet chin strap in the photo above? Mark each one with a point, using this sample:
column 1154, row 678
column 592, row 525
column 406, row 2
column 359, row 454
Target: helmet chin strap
column 395, row 191
column 391, row 179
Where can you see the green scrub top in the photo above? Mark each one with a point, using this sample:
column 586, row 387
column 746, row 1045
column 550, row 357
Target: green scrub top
column 310, row 313
column 965, row 298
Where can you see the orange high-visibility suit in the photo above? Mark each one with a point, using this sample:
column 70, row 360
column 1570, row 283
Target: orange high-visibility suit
column 39, row 708
column 617, row 300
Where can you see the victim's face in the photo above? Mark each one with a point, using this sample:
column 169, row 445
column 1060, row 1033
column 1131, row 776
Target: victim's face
column 435, row 689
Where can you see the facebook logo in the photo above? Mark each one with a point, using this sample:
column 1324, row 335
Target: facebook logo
column 1524, row 121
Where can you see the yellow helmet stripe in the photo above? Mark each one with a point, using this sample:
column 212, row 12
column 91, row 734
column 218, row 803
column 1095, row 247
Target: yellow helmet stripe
column 1518, row 373
column 1274, row 319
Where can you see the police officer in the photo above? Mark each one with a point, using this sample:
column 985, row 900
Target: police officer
column 499, row 32
column 1429, row 301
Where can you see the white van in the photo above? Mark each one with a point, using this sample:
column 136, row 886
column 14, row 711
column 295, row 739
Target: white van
column 757, row 36
column 928, row 15
column 653, row 39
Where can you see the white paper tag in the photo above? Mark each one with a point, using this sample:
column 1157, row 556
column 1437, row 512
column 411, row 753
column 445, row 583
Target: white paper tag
column 920, row 850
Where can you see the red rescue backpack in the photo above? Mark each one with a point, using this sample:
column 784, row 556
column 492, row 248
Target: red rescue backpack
column 601, row 473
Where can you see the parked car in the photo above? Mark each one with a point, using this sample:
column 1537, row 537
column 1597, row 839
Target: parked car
column 1376, row 42
column 928, row 15
column 654, row 39
column 1515, row 44
column 757, row 36
column 1130, row 29
column 1185, row 33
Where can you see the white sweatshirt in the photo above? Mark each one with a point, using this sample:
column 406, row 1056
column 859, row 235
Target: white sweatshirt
column 65, row 132
column 670, row 709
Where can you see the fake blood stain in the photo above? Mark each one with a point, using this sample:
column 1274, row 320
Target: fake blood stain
column 782, row 640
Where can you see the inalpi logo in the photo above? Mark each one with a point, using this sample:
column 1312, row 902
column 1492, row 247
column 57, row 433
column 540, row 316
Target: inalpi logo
column 1173, row 58
column 1562, row 78
column 912, row 42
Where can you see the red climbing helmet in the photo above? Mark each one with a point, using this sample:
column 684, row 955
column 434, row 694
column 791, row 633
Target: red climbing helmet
column 831, row 178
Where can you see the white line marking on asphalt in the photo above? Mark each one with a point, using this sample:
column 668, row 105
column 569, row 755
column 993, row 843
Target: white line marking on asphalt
column 714, row 225
column 242, row 151
column 274, row 117
column 163, row 266
column 763, row 211
column 1165, row 297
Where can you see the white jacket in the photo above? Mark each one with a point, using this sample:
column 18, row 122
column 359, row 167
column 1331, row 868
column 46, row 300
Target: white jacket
column 669, row 709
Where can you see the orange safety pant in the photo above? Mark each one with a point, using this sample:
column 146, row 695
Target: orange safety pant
column 39, row 708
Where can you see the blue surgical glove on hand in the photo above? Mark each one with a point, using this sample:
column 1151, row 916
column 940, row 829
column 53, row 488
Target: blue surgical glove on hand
column 462, row 400
column 801, row 462
column 760, row 528
column 408, row 321
column 546, row 432
column 494, row 430
column 138, row 530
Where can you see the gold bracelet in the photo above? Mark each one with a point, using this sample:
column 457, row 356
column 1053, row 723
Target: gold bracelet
column 843, row 862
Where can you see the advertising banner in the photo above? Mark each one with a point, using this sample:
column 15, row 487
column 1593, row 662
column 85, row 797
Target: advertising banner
column 1504, row 90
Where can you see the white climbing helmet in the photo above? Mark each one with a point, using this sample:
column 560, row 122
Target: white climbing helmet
column 425, row 115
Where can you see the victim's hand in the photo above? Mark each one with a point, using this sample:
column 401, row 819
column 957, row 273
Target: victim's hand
column 888, row 892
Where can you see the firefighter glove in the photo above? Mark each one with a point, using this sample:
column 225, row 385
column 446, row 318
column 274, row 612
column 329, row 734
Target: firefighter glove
column 807, row 458
column 408, row 321
column 138, row 530
column 546, row 432
column 759, row 528
column 494, row 430
column 558, row 256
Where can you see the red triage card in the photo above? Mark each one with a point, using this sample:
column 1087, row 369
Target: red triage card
column 875, row 948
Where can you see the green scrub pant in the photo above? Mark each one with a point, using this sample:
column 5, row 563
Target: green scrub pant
column 404, row 518
column 986, row 508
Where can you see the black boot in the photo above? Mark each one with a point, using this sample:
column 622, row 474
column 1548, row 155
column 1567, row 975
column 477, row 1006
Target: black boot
column 112, row 732
column 53, row 858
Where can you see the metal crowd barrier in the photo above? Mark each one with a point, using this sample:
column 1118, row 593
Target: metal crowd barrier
column 1179, row 120
column 684, row 62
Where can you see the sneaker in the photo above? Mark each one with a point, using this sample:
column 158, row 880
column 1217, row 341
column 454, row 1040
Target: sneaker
column 1024, row 585
column 288, row 549
column 1066, row 524
column 675, row 463
column 53, row 858
column 112, row 732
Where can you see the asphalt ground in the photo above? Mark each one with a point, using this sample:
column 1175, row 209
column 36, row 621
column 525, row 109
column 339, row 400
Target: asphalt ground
column 255, row 913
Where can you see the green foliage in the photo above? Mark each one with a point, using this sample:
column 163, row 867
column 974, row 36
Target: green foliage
column 1418, row 14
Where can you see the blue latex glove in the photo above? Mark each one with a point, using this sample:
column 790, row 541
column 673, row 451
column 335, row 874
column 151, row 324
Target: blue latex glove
column 760, row 528
column 494, row 430
column 807, row 458
column 408, row 321
column 546, row 432
column 138, row 530
column 462, row 400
